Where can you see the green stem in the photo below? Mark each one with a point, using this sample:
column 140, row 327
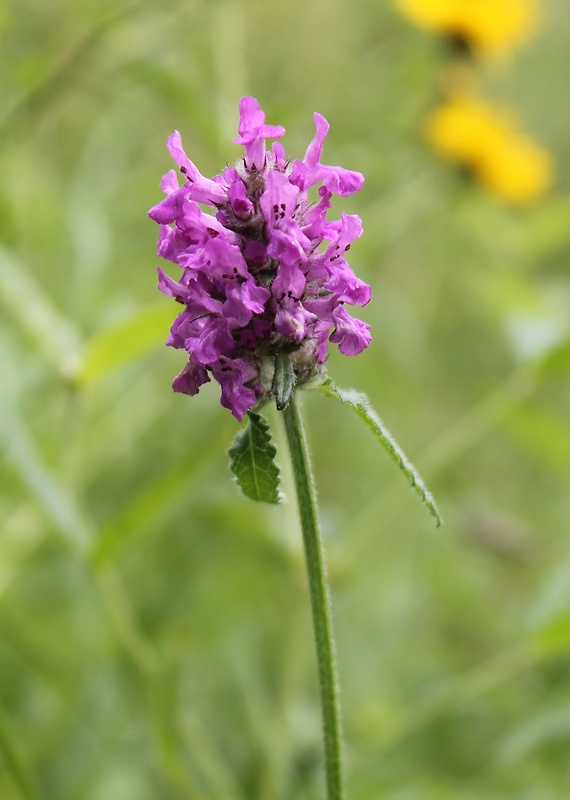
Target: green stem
column 320, row 602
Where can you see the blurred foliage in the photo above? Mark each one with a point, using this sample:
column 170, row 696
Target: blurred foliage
column 154, row 627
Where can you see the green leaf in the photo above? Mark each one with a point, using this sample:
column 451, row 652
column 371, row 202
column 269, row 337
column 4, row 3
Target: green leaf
column 252, row 461
column 360, row 404
column 125, row 341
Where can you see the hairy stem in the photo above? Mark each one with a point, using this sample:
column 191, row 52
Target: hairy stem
column 320, row 602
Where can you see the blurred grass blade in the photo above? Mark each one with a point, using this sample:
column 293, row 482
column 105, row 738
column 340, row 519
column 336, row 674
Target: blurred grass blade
column 62, row 510
column 556, row 361
column 125, row 623
column 455, row 692
column 15, row 764
column 124, row 341
column 56, row 83
column 548, row 728
column 252, row 461
column 360, row 404
column 34, row 313
column 554, row 637
column 211, row 764
column 156, row 499
column 131, row 522
column 547, row 227
column 549, row 614
column 59, row 506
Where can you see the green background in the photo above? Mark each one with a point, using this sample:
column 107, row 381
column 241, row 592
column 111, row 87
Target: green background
column 154, row 624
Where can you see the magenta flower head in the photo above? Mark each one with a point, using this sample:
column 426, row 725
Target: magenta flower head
column 264, row 280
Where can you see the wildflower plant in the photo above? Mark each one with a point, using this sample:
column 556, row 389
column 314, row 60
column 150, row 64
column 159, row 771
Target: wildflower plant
column 264, row 287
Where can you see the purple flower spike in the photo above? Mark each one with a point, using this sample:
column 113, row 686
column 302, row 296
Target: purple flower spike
column 253, row 132
column 266, row 274
column 199, row 188
column 310, row 171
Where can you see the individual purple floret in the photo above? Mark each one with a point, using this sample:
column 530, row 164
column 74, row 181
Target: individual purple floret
column 266, row 276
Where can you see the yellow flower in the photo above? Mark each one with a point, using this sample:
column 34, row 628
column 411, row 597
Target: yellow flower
column 489, row 143
column 490, row 25
column 518, row 170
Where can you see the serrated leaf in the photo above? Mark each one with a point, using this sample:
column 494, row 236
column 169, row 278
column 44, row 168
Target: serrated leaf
column 360, row 404
column 252, row 461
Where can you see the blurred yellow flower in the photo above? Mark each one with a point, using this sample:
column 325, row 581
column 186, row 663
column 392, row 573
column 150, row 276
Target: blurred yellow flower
column 482, row 24
column 487, row 141
column 519, row 170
